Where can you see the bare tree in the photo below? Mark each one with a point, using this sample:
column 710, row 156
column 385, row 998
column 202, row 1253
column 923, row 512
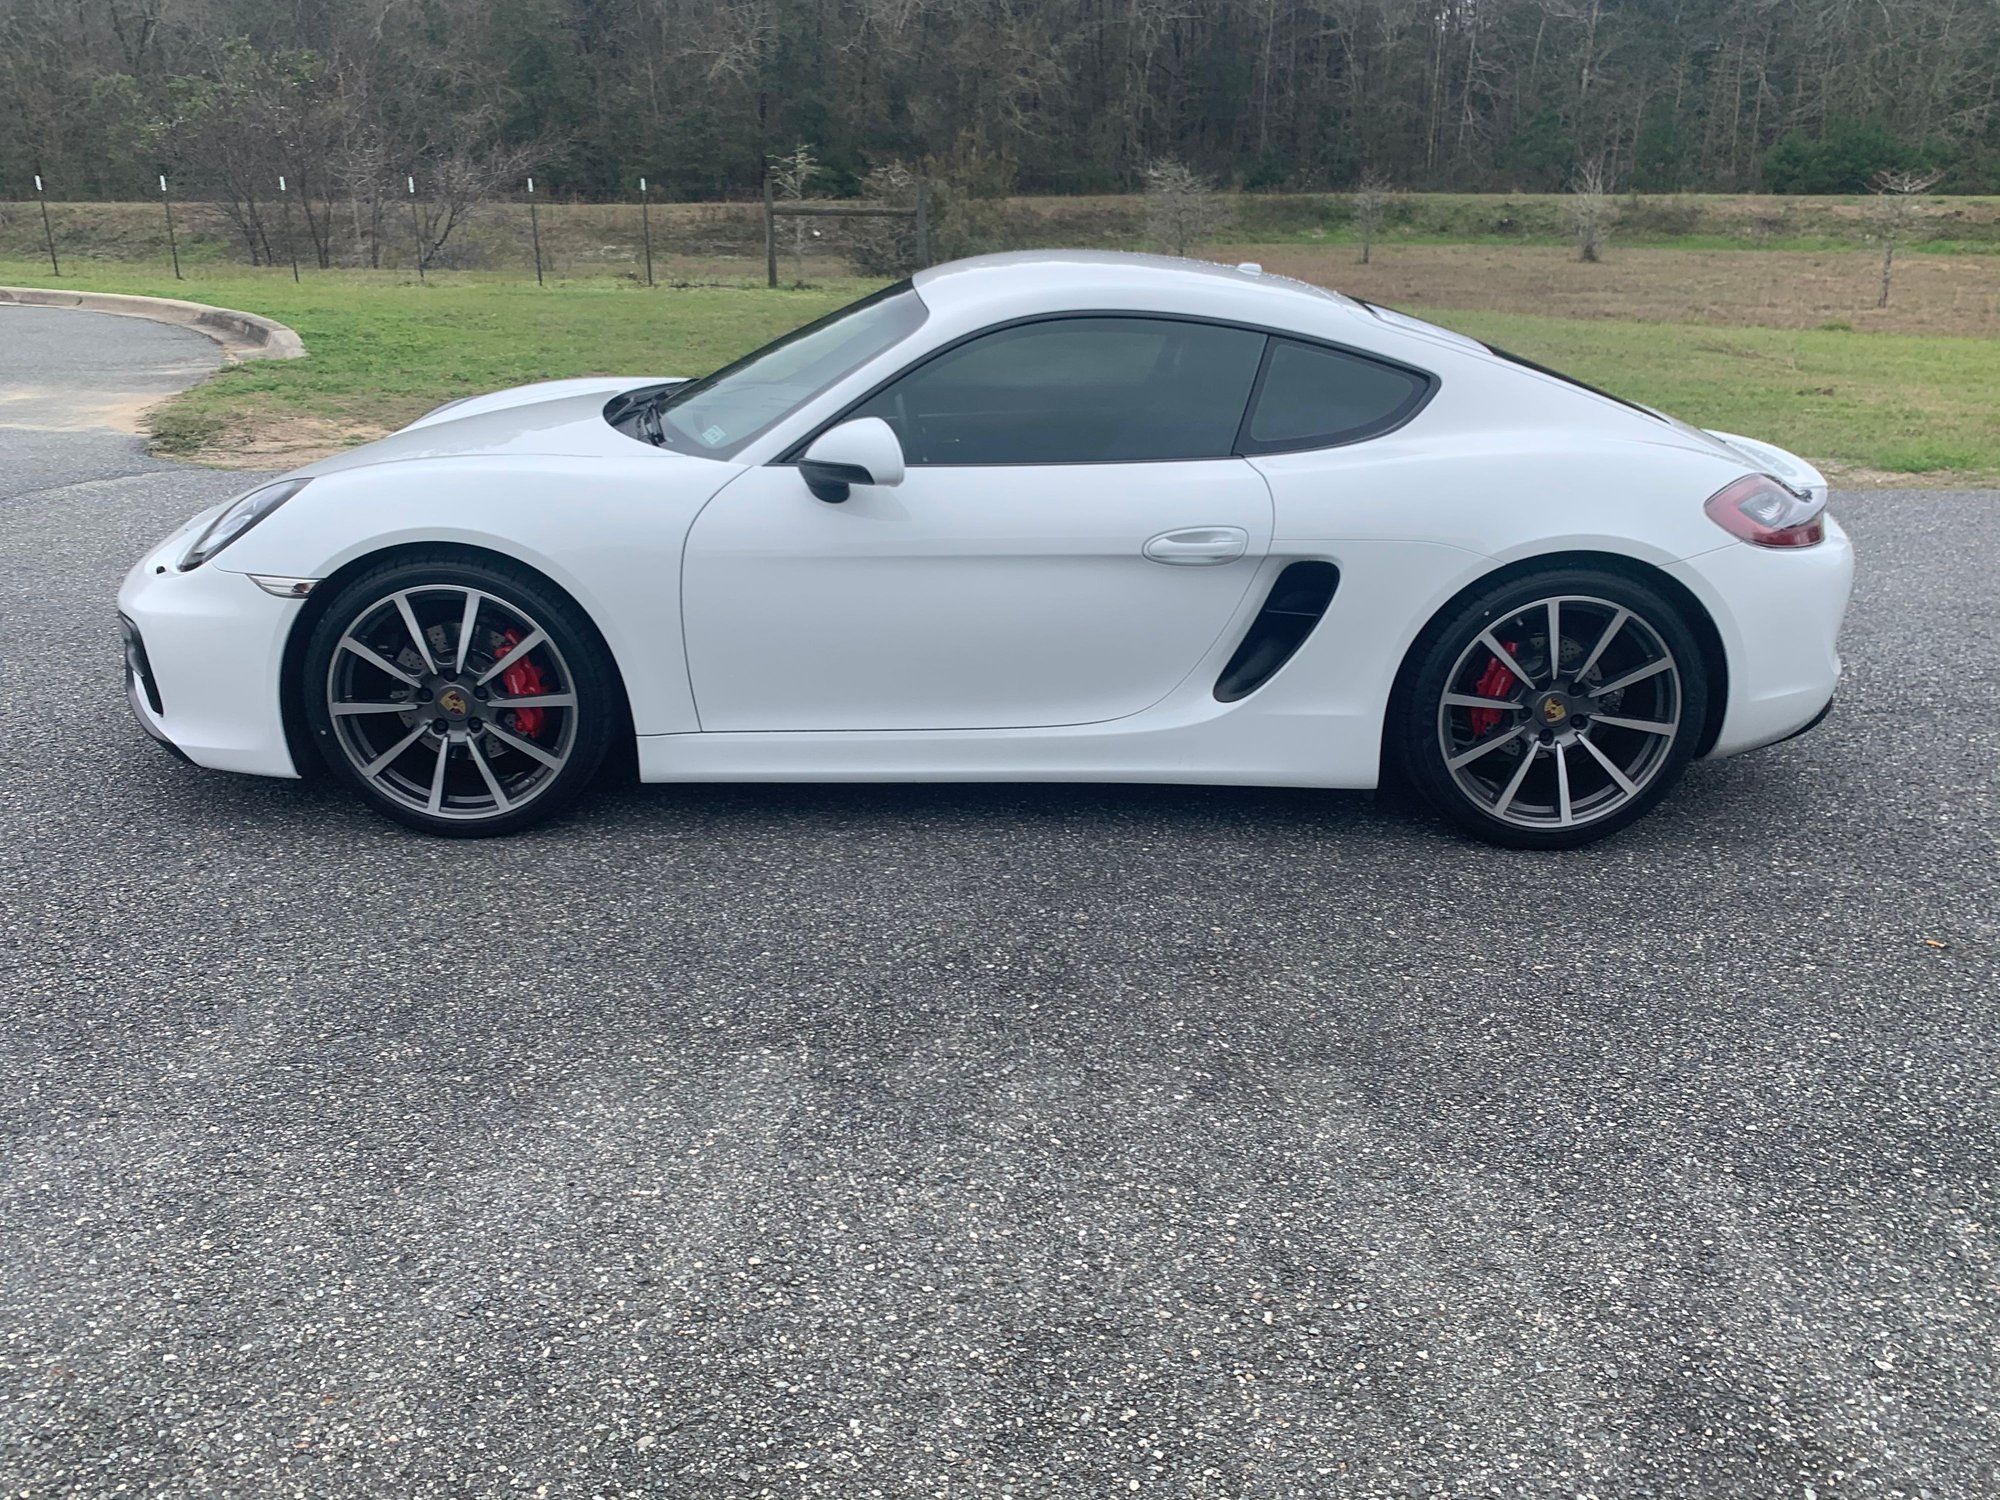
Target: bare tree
column 1590, row 209
column 1893, row 212
column 1371, row 205
column 359, row 165
column 886, row 247
column 227, row 135
column 792, row 176
column 1181, row 206
column 461, row 178
column 1812, row 95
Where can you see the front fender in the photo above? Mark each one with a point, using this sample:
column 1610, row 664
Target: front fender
column 609, row 532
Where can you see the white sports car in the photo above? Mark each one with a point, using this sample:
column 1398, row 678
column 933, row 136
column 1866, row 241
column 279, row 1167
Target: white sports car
column 1051, row 517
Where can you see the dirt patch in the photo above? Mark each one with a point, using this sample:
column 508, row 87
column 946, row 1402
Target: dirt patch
column 1933, row 294
column 40, row 408
column 273, row 442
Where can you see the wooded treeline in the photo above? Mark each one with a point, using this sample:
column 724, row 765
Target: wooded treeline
column 348, row 97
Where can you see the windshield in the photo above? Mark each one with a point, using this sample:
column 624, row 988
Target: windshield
column 719, row 413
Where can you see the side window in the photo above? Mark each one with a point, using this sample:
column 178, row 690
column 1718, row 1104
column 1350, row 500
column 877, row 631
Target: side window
column 1315, row 398
column 1076, row 391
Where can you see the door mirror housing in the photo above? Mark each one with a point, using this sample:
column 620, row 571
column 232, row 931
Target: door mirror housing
column 864, row 451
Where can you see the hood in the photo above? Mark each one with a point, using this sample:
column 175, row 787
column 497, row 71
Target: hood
column 555, row 418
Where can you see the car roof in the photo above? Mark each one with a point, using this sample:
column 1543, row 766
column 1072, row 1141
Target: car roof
column 1026, row 281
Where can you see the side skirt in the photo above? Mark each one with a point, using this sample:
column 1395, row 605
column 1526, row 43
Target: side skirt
column 1227, row 750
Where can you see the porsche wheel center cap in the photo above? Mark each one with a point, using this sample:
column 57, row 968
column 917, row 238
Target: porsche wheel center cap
column 1555, row 711
column 454, row 702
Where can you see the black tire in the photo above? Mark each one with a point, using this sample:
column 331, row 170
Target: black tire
column 1572, row 757
column 492, row 767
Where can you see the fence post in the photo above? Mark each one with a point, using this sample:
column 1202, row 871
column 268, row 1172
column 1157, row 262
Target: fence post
column 770, row 231
column 50, row 235
column 535, row 231
column 923, row 223
column 416, row 229
column 291, row 245
column 173, row 245
column 646, row 226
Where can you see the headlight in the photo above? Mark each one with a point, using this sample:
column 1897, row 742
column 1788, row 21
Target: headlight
column 238, row 517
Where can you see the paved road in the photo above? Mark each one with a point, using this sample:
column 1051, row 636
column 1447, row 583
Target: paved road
column 965, row 1141
column 70, row 372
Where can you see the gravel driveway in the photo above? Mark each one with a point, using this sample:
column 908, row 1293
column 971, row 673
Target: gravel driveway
column 959, row 1141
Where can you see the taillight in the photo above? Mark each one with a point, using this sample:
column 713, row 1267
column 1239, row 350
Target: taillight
column 1761, row 511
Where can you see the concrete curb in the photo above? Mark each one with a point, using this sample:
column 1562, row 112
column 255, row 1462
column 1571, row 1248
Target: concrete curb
column 242, row 335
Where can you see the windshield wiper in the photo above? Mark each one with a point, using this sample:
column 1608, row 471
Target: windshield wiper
column 636, row 413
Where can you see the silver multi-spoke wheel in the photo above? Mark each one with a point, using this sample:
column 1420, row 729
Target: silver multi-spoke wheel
column 1561, row 713
column 451, row 701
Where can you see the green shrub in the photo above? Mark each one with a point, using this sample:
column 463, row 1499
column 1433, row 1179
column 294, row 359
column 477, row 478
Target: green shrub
column 1844, row 158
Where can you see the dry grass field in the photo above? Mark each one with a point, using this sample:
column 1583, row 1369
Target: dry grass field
column 1951, row 295
column 604, row 238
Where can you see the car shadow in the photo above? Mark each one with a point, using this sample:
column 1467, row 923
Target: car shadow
column 1746, row 801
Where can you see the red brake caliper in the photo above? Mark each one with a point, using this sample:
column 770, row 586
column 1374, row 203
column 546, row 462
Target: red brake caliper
column 1495, row 682
column 522, row 680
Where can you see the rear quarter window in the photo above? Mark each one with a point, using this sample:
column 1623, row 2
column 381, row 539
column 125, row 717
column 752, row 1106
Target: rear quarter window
column 1309, row 396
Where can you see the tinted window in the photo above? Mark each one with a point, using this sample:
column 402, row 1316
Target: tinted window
column 1314, row 398
column 721, row 412
column 1076, row 391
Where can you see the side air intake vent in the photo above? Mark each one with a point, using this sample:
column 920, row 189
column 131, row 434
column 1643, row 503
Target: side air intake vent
column 1298, row 599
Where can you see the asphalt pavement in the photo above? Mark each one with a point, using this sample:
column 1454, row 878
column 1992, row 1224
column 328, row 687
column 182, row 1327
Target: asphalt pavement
column 63, row 371
column 967, row 1141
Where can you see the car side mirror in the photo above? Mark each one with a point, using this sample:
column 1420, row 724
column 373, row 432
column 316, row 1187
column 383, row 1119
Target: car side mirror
column 864, row 451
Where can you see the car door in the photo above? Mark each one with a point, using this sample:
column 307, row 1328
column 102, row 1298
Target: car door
column 1073, row 533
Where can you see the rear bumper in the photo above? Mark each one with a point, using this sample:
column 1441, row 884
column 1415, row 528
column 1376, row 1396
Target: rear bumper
column 203, row 651
column 1815, row 721
column 1779, row 613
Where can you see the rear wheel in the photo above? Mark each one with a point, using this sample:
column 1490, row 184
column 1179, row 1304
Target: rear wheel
column 1552, row 710
column 460, row 697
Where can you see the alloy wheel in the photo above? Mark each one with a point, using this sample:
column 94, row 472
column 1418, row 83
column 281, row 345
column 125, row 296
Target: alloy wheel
column 1560, row 713
column 452, row 701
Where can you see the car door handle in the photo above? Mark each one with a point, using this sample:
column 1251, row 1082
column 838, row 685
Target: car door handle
column 1199, row 544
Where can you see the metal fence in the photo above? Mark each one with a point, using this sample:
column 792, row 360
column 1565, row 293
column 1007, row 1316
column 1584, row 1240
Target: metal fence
column 406, row 236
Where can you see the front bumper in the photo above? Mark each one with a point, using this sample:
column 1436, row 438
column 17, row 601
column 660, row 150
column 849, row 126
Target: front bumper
column 204, row 652
column 142, row 690
column 1779, row 612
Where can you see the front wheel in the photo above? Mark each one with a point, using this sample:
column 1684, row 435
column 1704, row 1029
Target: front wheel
column 459, row 697
column 1550, row 711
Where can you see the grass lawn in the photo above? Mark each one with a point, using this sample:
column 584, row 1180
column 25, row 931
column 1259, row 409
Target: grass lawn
column 1871, row 407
